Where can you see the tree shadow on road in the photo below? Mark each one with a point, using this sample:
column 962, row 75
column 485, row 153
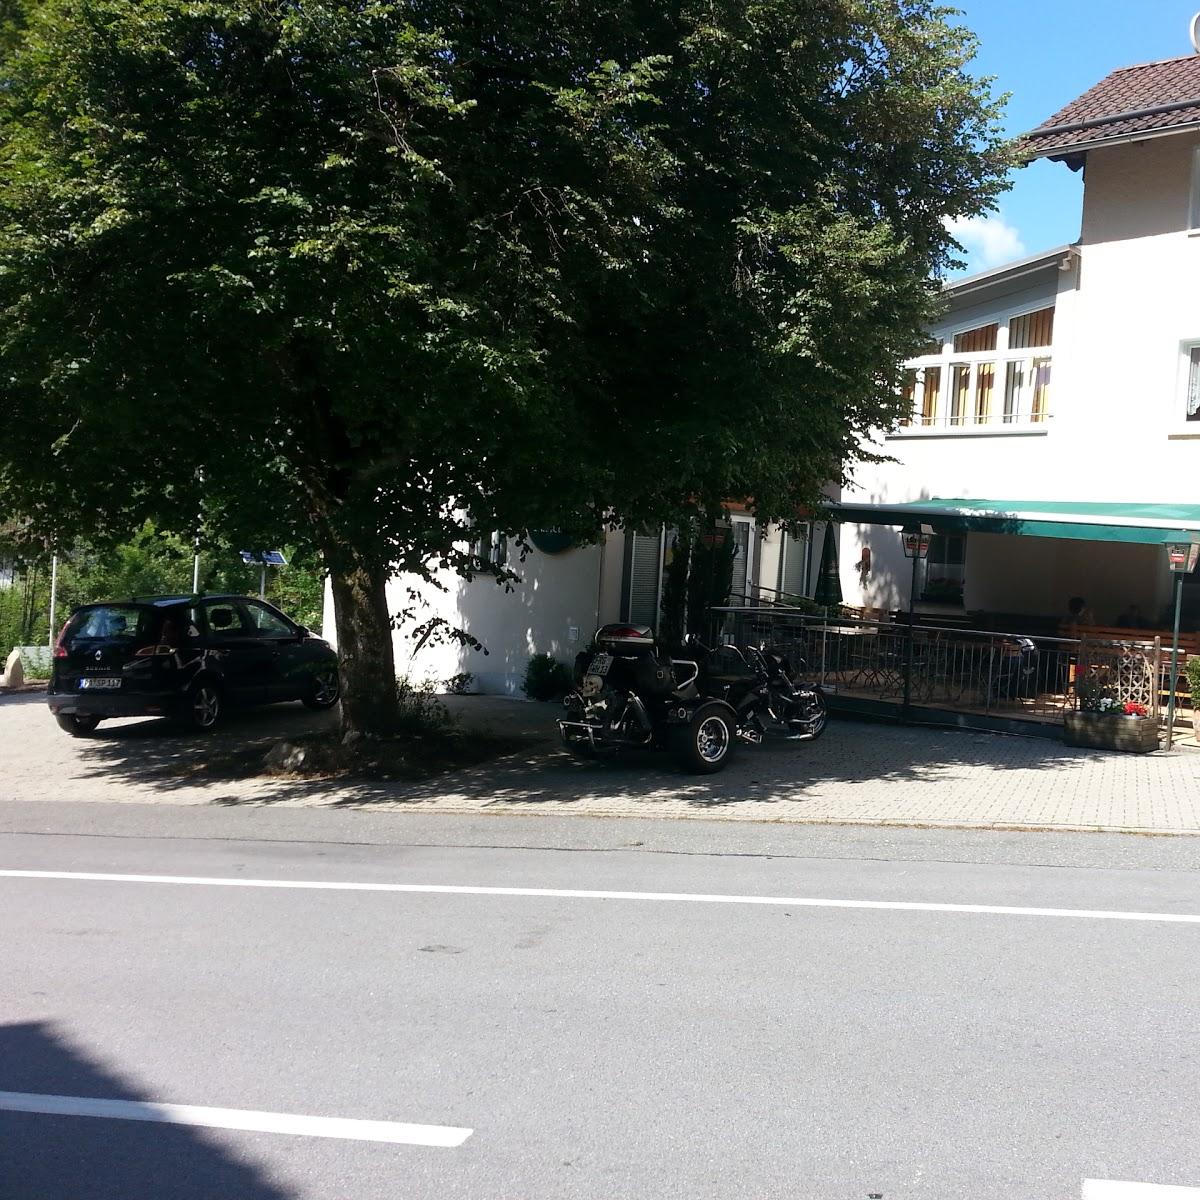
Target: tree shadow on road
column 786, row 775
column 55, row 1157
column 781, row 772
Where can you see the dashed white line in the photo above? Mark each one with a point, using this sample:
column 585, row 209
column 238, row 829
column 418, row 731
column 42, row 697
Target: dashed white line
column 1007, row 910
column 445, row 1136
column 1118, row 1189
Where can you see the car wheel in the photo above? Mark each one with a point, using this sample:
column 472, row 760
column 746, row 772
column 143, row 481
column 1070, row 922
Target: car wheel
column 704, row 745
column 76, row 725
column 201, row 710
column 324, row 689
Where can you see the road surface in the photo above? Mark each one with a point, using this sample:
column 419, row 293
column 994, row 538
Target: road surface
column 296, row 1004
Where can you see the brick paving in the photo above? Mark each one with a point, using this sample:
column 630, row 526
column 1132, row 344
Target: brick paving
column 858, row 773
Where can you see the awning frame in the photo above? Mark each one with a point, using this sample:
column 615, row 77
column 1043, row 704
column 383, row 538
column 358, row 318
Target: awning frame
column 1137, row 524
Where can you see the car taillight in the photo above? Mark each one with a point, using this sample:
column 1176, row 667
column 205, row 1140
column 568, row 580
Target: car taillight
column 151, row 651
column 626, row 631
column 60, row 646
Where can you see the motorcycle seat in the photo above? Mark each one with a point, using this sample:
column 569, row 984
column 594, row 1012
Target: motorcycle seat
column 731, row 678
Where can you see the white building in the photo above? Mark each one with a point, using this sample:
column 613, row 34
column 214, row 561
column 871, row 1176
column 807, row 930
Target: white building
column 1066, row 385
column 1060, row 396
column 563, row 596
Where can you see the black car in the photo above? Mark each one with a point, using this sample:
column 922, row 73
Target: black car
column 184, row 657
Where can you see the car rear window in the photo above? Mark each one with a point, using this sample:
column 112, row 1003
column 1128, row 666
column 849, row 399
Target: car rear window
column 113, row 623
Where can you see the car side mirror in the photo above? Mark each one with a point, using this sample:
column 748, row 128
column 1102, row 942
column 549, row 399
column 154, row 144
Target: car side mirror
column 303, row 631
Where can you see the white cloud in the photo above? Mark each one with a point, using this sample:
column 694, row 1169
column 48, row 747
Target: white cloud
column 989, row 240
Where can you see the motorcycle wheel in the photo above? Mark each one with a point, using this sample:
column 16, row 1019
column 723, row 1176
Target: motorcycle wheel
column 704, row 744
column 812, row 728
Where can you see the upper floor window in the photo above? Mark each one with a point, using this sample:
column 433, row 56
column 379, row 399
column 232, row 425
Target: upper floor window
column 993, row 374
column 1192, row 395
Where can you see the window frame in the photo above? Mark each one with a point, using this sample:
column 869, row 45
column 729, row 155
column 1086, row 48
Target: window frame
column 1187, row 348
column 290, row 630
column 206, row 627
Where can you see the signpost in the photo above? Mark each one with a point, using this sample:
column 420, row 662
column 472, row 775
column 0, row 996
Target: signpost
column 1181, row 558
column 265, row 559
column 53, row 598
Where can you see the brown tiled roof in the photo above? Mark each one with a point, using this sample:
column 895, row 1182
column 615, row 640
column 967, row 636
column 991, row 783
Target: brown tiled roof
column 1171, row 87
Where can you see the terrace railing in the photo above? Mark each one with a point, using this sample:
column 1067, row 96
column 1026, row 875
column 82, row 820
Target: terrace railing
column 952, row 669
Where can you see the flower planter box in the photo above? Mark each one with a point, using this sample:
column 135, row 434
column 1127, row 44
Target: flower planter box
column 1109, row 731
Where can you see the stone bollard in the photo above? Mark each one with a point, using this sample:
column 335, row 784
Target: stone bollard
column 14, row 672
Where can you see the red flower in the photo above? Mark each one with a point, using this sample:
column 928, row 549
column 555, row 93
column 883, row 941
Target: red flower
column 1133, row 709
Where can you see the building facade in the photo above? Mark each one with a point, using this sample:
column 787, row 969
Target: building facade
column 1070, row 376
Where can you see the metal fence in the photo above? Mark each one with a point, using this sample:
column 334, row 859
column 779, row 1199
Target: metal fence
column 972, row 671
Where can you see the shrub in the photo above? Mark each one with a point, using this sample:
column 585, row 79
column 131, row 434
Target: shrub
column 1192, row 670
column 421, row 712
column 546, row 678
column 460, row 684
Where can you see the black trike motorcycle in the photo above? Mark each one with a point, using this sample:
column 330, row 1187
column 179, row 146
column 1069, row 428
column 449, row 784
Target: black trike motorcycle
column 629, row 693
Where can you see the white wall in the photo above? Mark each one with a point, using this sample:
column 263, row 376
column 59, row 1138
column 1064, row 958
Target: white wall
column 1119, row 385
column 554, row 609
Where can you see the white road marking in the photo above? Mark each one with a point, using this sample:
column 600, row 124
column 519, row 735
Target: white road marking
column 1004, row 910
column 235, row 1118
column 1117, row 1189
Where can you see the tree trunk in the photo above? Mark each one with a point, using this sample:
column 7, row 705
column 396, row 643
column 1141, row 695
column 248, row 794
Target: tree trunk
column 364, row 636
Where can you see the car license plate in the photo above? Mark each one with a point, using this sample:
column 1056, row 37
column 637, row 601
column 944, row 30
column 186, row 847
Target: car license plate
column 100, row 682
column 600, row 664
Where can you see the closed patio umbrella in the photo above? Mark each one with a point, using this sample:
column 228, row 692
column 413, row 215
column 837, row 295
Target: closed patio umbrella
column 828, row 591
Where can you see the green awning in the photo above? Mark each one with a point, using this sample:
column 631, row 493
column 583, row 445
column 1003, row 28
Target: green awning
column 1143, row 524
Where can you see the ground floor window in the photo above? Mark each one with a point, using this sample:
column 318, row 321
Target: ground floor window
column 643, row 578
column 945, row 574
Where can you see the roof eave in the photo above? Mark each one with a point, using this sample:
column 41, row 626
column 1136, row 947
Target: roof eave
column 1077, row 150
column 1009, row 271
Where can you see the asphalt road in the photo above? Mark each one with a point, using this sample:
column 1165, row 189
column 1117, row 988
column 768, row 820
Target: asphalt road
column 598, row 1047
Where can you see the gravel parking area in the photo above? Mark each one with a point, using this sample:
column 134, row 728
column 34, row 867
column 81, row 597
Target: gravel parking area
column 858, row 773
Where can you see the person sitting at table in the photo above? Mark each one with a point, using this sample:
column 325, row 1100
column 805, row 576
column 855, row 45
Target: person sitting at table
column 1078, row 613
column 1131, row 618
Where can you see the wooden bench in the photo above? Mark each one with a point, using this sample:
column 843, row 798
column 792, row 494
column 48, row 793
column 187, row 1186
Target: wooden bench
column 1189, row 645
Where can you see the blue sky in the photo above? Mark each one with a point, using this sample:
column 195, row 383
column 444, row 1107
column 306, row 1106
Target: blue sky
column 1045, row 53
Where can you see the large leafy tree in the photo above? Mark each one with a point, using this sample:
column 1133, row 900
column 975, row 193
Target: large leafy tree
column 367, row 274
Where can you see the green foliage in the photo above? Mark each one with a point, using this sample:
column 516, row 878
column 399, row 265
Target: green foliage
column 673, row 625
column 36, row 663
column 150, row 563
column 1191, row 669
column 711, row 578
column 460, row 684
column 421, row 712
column 365, row 276
column 698, row 575
column 546, row 678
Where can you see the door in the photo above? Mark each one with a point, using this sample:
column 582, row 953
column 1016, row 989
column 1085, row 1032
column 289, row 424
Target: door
column 245, row 660
column 289, row 666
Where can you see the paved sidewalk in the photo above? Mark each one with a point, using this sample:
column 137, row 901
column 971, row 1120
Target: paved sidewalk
column 858, row 773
